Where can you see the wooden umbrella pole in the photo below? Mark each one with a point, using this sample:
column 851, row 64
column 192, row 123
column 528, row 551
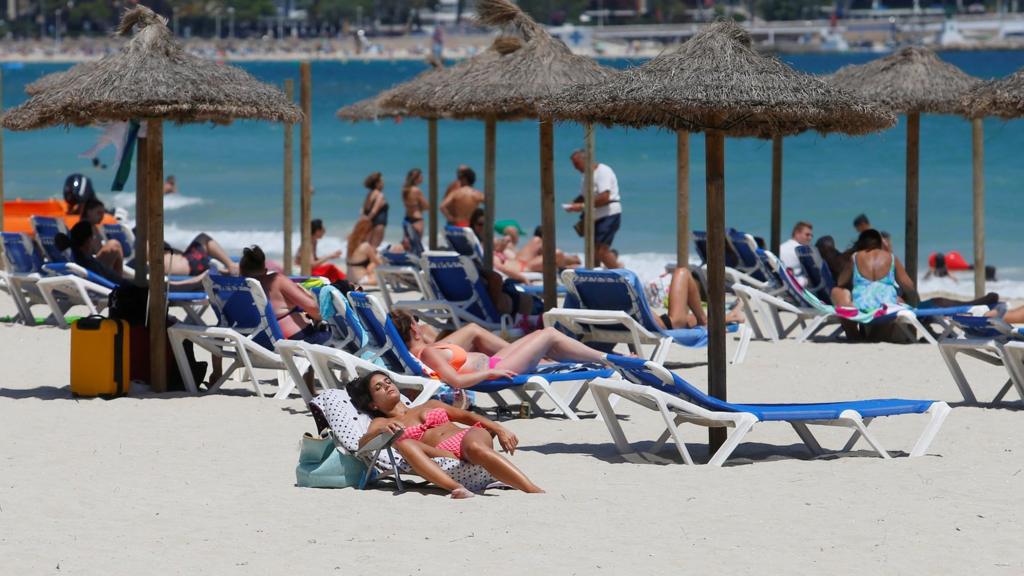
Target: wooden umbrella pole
column 588, row 196
column 682, row 198
column 714, row 142
column 547, row 211
column 913, row 168
column 490, row 135
column 432, row 172
column 978, row 161
column 142, row 212
column 776, row 193
column 157, row 283
column 289, row 181
column 306, row 168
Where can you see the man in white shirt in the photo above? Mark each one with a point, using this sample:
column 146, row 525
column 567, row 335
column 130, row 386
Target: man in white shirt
column 803, row 234
column 607, row 208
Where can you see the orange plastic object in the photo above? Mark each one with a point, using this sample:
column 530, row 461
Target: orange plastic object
column 18, row 212
column 954, row 261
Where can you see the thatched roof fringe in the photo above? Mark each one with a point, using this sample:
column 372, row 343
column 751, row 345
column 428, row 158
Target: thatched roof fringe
column 716, row 80
column 1002, row 98
column 150, row 77
column 910, row 80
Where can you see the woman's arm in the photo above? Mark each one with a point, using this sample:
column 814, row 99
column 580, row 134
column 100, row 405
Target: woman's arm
column 846, row 275
column 295, row 295
column 910, row 295
column 422, row 200
column 436, row 360
column 507, row 439
column 377, row 426
column 376, row 204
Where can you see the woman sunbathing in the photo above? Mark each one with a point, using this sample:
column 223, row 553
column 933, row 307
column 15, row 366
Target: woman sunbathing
column 430, row 431
column 471, row 355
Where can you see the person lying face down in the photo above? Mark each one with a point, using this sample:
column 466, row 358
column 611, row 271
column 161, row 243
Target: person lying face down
column 431, row 431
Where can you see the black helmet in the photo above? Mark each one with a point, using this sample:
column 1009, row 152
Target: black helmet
column 77, row 189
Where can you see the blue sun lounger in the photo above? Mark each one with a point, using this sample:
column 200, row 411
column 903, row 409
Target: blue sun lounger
column 22, row 269
column 990, row 340
column 653, row 386
column 819, row 277
column 397, row 358
column 613, row 309
column 246, row 332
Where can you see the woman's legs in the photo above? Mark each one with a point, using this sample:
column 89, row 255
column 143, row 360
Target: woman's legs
column 474, row 338
column 684, row 298
column 215, row 250
column 376, row 235
column 415, row 454
column 478, row 448
column 524, row 354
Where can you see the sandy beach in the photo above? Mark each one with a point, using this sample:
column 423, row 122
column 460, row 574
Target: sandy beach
column 185, row 485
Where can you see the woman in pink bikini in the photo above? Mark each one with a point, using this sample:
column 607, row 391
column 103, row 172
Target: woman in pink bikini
column 471, row 355
column 430, row 431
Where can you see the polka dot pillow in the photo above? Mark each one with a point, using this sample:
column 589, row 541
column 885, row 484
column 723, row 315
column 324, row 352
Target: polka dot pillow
column 349, row 425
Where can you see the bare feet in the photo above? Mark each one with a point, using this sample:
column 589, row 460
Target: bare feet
column 461, row 493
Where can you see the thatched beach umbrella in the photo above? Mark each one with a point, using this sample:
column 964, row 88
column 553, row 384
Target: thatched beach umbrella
column 374, row 108
column 153, row 79
column 1002, row 98
column 508, row 82
column 910, row 81
column 718, row 84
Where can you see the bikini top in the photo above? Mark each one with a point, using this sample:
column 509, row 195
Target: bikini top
column 433, row 419
column 458, row 357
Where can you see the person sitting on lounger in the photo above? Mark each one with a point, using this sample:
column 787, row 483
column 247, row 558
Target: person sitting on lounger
column 472, row 355
column 84, row 242
column 288, row 300
column 322, row 265
column 876, row 274
column 110, row 253
column 430, row 431
column 684, row 304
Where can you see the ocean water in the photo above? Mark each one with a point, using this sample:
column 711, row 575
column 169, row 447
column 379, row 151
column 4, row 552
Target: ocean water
column 230, row 177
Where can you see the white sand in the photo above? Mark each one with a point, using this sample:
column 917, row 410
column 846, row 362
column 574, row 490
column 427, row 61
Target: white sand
column 205, row 485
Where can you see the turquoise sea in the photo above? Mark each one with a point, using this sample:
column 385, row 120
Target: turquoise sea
column 230, row 177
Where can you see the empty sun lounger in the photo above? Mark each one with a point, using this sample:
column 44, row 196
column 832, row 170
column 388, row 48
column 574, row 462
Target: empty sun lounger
column 22, row 270
column 397, row 357
column 990, row 340
column 653, row 386
column 613, row 309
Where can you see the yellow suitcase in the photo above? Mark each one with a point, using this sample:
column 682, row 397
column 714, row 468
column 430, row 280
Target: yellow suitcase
column 100, row 354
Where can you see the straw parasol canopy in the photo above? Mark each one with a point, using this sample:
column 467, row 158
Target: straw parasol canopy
column 1002, row 98
column 718, row 81
column 910, row 80
column 508, row 80
column 373, row 108
column 150, row 77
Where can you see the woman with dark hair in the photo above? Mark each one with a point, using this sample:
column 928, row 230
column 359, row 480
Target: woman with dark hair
column 84, row 243
column 430, row 431
column 876, row 274
column 835, row 260
column 322, row 265
column 415, row 202
column 375, row 207
column 110, row 253
column 288, row 300
column 472, row 355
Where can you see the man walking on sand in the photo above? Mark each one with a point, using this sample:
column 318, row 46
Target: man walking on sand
column 607, row 208
column 459, row 204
